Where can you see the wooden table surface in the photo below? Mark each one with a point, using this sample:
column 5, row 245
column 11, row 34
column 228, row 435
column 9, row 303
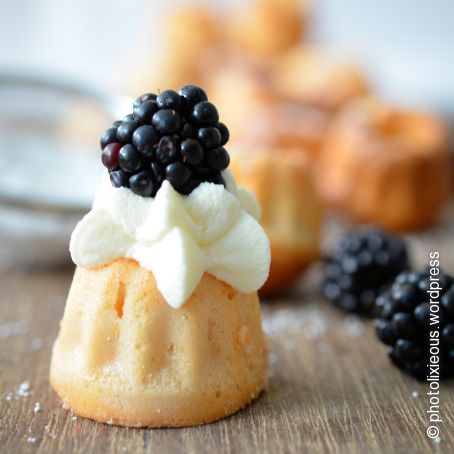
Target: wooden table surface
column 331, row 389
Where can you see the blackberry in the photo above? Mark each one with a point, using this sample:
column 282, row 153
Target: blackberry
column 145, row 139
column 146, row 97
column 178, row 174
column 218, row 159
column 193, row 95
column 119, row 178
column 405, row 324
column 225, row 134
column 361, row 266
column 129, row 159
column 174, row 135
column 129, row 117
column 191, row 152
column 209, row 137
column 108, row 136
column 188, row 131
column 167, row 150
column 158, row 173
column 110, row 155
column 167, row 121
column 144, row 112
column 204, row 113
column 126, row 130
column 168, row 99
column 142, row 184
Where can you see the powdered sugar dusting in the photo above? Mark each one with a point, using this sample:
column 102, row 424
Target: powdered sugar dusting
column 13, row 328
column 308, row 320
column 24, row 389
column 353, row 326
column 36, row 343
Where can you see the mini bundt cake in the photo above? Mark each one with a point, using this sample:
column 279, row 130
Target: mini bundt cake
column 162, row 322
column 312, row 76
column 385, row 166
column 126, row 357
column 292, row 213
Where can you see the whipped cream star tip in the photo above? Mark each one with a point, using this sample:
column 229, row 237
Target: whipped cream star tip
column 178, row 237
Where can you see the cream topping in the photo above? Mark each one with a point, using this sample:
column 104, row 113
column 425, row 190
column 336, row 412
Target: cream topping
column 178, row 238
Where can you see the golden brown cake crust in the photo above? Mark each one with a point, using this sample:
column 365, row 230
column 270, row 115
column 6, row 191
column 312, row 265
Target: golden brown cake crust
column 124, row 356
column 385, row 166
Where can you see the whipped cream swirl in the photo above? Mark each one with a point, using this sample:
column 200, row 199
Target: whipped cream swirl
column 178, row 238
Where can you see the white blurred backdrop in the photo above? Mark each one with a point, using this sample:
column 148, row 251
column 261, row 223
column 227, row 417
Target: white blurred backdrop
column 407, row 46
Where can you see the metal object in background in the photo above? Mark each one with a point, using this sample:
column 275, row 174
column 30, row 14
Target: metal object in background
column 47, row 179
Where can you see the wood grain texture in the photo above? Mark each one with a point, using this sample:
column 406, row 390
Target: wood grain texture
column 332, row 388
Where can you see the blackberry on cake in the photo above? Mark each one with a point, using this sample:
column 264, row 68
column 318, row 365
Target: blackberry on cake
column 146, row 97
column 168, row 99
column 205, row 113
column 193, row 95
column 404, row 323
column 362, row 265
column 144, row 112
column 225, row 134
column 172, row 135
column 209, row 137
column 108, row 136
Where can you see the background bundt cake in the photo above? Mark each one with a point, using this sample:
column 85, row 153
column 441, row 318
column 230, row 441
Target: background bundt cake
column 292, row 213
column 385, row 166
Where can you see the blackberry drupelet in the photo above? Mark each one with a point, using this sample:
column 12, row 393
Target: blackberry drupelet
column 404, row 323
column 361, row 266
column 174, row 135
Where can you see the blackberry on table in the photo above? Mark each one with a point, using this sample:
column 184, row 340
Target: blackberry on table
column 360, row 267
column 403, row 323
column 173, row 135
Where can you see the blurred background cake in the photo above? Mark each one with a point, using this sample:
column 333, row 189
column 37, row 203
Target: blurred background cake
column 385, row 165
